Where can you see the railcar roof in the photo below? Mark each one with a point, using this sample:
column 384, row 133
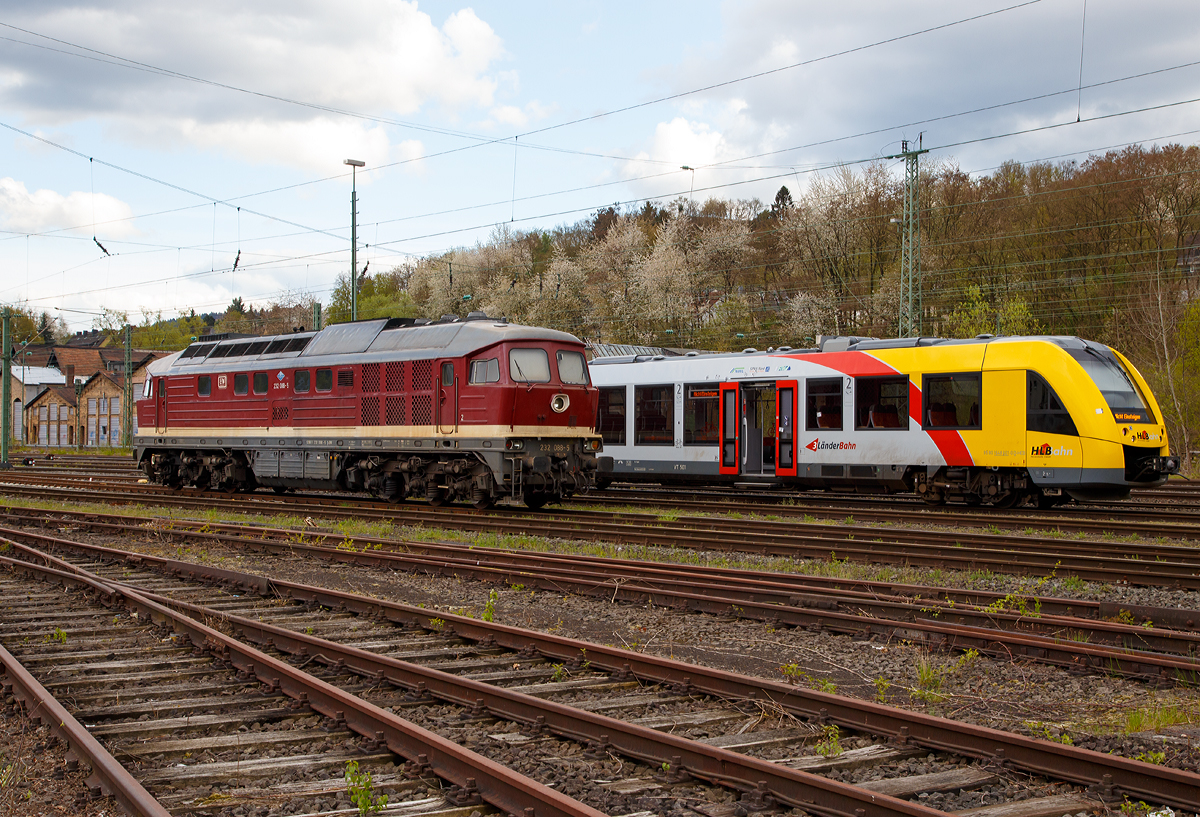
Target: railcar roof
column 381, row 339
column 852, row 344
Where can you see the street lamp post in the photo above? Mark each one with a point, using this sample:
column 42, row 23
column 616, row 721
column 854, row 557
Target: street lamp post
column 355, row 164
column 693, row 185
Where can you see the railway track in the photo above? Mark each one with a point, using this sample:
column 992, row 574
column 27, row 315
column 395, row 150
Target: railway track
column 595, row 665
column 1142, row 563
column 1158, row 644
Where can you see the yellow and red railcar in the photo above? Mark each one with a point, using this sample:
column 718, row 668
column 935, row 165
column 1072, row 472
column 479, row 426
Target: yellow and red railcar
column 454, row 410
column 987, row 420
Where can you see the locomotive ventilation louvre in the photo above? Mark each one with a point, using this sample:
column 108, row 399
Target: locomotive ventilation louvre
column 370, row 378
column 369, row 409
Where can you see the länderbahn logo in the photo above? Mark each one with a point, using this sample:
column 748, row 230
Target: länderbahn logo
column 839, row 445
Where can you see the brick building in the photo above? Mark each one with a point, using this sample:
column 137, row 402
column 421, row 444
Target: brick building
column 50, row 418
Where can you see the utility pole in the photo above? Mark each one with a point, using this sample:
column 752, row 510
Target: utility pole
column 355, row 164
column 127, row 405
column 6, row 389
column 316, row 318
column 910, row 244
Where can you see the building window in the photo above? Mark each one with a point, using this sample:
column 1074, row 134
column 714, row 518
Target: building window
column 952, row 400
column 654, row 415
column 701, row 414
column 610, row 417
column 881, row 402
column 823, row 404
column 241, row 384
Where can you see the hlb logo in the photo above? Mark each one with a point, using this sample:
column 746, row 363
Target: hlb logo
column 1047, row 450
column 817, row 445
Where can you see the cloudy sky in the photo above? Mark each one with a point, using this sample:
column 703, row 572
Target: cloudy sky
column 180, row 137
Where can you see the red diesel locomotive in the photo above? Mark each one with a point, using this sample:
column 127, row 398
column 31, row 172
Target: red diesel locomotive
column 471, row 409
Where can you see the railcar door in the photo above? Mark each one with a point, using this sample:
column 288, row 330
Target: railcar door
column 785, row 427
column 160, row 405
column 447, row 398
column 731, row 425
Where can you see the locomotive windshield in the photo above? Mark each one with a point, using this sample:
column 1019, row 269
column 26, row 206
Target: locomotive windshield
column 1119, row 390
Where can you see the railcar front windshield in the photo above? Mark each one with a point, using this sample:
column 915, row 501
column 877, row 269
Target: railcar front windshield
column 1119, row 391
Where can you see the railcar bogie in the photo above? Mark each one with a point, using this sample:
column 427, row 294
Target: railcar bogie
column 989, row 421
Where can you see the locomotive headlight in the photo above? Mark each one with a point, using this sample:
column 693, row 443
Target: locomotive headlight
column 592, row 445
column 559, row 403
column 514, row 445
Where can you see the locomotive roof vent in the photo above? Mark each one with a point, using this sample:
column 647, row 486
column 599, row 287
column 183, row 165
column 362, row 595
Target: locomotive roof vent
column 692, row 354
column 477, row 316
column 749, row 350
column 448, row 319
column 784, row 349
column 984, row 337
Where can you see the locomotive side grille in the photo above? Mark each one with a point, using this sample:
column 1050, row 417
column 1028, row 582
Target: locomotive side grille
column 345, row 378
column 422, row 409
column 279, row 414
column 393, row 411
column 422, row 378
column 393, row 376
column 369, row 411
column 370, row 378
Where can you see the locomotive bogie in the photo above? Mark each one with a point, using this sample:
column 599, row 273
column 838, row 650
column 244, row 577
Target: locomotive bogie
column 470, row 411
column 992, row 421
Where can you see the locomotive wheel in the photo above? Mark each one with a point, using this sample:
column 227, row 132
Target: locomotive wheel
column 535, row 499
column 481, row 500
column 1008, row 500
column 932, row 498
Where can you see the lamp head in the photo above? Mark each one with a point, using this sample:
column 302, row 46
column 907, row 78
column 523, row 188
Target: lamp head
column 355, row 162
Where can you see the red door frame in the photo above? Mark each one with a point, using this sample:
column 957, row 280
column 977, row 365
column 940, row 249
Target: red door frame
column 447, row 399
column 160, row 405
column 731, row 444
column 780, row 386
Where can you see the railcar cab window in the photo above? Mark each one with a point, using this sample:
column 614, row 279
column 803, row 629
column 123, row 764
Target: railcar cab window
column 484, row 371
column 241, row 383
column 952, row 400
column 301, row 381
column 880, row 402
column 572, row 368
column 1044, row 412
column 1123, row 396
column 529, row 366
column 260, row 382
column 610, row 416
column 701, row 414
column 324, row 379
column 654, row 415
column 203, row 386
column 823, row 404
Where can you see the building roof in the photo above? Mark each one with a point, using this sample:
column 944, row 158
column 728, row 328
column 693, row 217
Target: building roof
column 37, row 375
column 89, row 361
column 65, row 394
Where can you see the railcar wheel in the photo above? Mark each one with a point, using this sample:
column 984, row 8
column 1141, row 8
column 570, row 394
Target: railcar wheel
column 481, row 500
column 935, row 499
column 535, row 499
column 1009, row 500
column 279, row 489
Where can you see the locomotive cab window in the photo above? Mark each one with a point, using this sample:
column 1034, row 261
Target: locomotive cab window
column 823, row 404
column 610, row 416
column 654, row 415
column 952, row 400
column 203, row 386
column 572, row 369
column 484, row 371
column 447, row 374
column 881, row 402
column 260, row 382
column 241, row 384
column 301, row 381
column 529, row 366
column 701, row 414
column 1044, row 412
column 324, row 380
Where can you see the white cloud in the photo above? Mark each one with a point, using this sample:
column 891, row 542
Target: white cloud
column 45, row 210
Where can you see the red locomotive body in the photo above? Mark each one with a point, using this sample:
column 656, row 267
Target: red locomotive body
column 473, row 410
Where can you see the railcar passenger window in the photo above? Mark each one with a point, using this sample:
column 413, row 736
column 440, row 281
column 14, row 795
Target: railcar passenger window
column 1044, row 412
column 881, row 402
column 701, row 414
column 324, row 379
column 610, row 416
column 654, row 415
column 260, row 382
column 204, row 386
column 572, row 369
column 529, row 366
column 823, row 405
column 301, row 381
column 952, row 400
column 485, row 371
column 241, row 383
